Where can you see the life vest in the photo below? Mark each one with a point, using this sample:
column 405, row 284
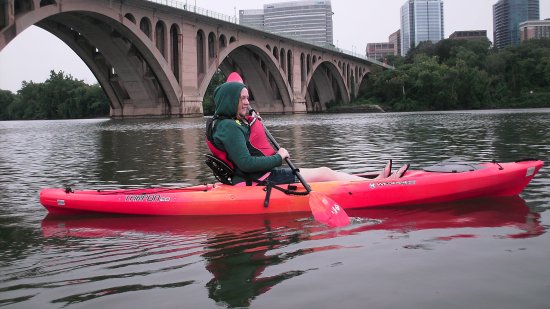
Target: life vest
column 258, row 138
column 258, row 143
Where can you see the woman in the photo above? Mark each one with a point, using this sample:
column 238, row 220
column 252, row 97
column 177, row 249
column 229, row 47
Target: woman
column 231, row 135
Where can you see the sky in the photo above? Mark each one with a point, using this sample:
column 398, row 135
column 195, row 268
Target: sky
column 34, row 53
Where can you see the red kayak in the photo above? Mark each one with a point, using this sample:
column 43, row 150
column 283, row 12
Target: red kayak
column 444, row 182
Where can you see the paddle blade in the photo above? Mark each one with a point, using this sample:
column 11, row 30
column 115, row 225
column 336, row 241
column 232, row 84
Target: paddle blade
column 326, row 210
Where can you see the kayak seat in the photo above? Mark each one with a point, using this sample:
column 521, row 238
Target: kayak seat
column 400, row 172
column 221, row 170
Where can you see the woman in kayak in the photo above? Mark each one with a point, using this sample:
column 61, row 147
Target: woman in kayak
column 230, row 134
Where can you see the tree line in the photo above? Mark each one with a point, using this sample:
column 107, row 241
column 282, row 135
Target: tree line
column 448, row 75
column 460, row 74
column 60, row 97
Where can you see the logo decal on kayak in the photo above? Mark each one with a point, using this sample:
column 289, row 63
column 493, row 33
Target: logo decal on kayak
column 373, row 185
column 147, row 198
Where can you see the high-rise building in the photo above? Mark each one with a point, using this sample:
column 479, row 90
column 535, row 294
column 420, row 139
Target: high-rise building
column 534, row 29
column 309, row 21
column 421, row 20
column 395, row 38
column 507, row 15
column 252, row 18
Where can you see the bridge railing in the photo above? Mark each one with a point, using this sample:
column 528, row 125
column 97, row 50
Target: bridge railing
column 233, row 19
column 195, row 9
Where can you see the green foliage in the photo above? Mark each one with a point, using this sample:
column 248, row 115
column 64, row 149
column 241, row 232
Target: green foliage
column 59, row 97
column 7, row 98
column 208, row 105
column 460, row 74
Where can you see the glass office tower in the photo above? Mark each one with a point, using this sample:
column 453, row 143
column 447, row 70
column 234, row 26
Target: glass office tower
column 421, row 20
column 308, row 21
column 507, row 15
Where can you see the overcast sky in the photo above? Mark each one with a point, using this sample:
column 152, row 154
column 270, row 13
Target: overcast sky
column 32, row 54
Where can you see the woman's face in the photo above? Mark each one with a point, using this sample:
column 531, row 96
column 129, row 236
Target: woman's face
column 242, row 109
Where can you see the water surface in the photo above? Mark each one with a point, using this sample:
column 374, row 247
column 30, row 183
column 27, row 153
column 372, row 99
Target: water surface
column 489, row 253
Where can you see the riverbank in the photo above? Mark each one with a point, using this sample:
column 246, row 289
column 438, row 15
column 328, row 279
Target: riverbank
column 362, row 108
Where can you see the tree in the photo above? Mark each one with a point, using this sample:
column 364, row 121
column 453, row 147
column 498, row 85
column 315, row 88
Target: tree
column 208, row 105
column 6, row 99
column 59, row 97
column 455, row 74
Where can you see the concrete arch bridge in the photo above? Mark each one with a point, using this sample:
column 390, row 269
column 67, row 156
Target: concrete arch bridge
column 156, row 58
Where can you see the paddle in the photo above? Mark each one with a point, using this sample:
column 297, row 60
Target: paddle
column 324, row 209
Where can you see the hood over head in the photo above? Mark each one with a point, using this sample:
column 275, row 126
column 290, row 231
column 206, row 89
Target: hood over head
column 226, row 98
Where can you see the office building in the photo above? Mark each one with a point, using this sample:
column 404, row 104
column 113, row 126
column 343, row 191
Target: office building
column 469, row 35
column 380, row 51
column 507, row 15
column 308, row 21
column 534, row 29
column 252, row 18
column 421, row 20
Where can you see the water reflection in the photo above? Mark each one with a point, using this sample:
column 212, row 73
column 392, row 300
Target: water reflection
column 509, row 212
column 241, row 252
column 141, row 260
column 151, row 152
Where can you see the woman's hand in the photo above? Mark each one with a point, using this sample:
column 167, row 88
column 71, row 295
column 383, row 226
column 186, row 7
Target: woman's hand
column 283, row 153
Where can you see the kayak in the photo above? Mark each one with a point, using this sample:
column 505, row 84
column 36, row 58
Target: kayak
column 444, row 182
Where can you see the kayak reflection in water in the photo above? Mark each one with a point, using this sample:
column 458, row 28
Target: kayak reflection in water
column 238, row 251
column 237, row 262
column 229, row 137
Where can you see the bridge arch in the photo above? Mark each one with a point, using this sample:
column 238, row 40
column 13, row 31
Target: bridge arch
column 126, row 62
column 145, row 26
column 160, row 37
column 262, row 72
column 324, row 84
column 175, row 49
column 156, row 60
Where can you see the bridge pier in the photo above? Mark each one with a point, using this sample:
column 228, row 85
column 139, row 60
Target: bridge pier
column 299, row 105
column 191, row 106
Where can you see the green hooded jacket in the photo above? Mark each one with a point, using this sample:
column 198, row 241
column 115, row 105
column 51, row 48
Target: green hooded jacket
column 232, row 136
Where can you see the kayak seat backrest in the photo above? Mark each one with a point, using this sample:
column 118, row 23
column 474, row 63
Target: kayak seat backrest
column 222, row 171
column 453, row 168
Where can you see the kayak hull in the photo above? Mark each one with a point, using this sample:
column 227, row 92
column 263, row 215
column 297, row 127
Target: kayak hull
column 414, row 187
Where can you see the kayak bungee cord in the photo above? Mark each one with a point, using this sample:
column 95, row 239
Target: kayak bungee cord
column 206, row 187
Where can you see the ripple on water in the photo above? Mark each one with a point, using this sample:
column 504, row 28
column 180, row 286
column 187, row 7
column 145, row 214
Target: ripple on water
column 242, row 262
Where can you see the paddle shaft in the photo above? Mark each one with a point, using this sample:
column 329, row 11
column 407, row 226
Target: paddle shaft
column 287, row 160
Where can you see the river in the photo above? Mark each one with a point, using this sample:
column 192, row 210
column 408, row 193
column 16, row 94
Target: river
column 473, row 254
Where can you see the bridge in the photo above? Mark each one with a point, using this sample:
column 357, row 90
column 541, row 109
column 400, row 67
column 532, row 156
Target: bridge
column 157, row 58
